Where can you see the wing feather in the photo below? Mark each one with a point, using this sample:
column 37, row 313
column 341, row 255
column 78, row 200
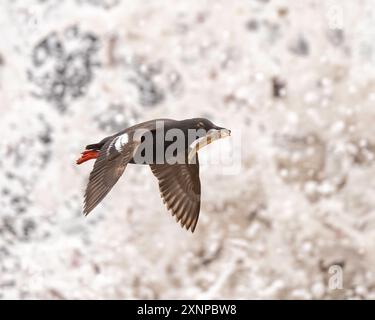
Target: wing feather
column 180, row 189
column 108, row 168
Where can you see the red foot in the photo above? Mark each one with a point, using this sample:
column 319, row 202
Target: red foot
column 87, row 155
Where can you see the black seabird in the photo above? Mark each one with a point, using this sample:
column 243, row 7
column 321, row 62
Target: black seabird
column 178, row 178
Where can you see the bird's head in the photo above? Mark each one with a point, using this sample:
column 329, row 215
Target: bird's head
column 204, row 132
column 204, row 126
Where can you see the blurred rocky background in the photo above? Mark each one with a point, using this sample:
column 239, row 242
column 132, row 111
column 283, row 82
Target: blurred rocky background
column 294, row 82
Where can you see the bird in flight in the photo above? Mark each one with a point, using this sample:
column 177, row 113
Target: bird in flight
column 169, row 147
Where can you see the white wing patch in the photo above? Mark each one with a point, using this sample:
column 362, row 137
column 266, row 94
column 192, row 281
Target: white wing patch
column 121, row 141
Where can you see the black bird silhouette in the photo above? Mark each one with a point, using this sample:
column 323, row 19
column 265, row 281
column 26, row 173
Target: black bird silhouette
column 177, row 172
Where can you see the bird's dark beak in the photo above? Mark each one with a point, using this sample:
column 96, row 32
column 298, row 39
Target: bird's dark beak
column 222, row 131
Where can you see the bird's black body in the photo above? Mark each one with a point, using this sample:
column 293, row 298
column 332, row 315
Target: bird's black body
column 159, row 132
column 150, row 143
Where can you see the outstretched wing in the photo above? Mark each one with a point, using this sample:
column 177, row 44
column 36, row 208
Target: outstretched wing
column 180, row 188
column 108, row 168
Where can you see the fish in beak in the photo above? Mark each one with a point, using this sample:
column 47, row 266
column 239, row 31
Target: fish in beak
column 212, row 135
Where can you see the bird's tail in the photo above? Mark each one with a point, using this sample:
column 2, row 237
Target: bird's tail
column 87, row 155
column 91, row 152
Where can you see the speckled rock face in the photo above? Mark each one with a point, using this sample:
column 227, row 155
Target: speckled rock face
column 293, row 216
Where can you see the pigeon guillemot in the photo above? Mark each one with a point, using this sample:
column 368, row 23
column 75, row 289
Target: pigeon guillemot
column 169, row 147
